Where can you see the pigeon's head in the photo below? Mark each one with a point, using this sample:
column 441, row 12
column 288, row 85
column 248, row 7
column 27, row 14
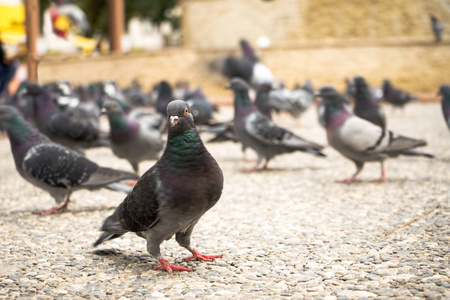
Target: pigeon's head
column 111, row 107
column 360, row 82
column 331, row 97
column 266, row 87
column 33, row 89
column 8, row 113
column 164, row 88
column 444, row 90
column 237, row 85
column 180, row 116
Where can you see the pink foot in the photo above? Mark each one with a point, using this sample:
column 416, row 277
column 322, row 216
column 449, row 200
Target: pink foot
column 169, row 268
column 133, row 183
column 349, row 180
column 53, row 210
column 381, row 179
column 204, row 257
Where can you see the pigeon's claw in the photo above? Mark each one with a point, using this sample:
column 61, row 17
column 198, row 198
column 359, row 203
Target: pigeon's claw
column 53, row 210
column 133, row 183
column 204, row 257
column 349, row 180
column 169, row 268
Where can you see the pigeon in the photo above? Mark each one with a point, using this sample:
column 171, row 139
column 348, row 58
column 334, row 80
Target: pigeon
column 135, row 96
column 395, row 96
column 133, row 140
column 366, row 106
column 360, row 140
column 262, row 100
column 165, row 96
column 249, row 67
column 53, row 167
column 256, row 131
column 444, row 91
column 438, row 28
column 296, row 102
column 171, row 197
column 74, row 128
column 350, row 89
column 201, row 108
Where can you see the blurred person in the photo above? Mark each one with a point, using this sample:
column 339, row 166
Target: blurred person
column 8, row 68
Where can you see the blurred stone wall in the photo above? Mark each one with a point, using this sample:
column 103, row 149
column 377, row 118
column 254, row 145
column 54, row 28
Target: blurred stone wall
column 219, row 24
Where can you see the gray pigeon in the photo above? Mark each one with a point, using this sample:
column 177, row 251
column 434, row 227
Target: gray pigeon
column 295, row 102
column 438, row 28
column 395, row 96
column 249, row 67
column 256, row 131
column 171, row 197
column 73, row 128
column 359, row 140
column 366, row 106
column 201, row 108
column 134, row 140
column 444, row 91
column 53, row 167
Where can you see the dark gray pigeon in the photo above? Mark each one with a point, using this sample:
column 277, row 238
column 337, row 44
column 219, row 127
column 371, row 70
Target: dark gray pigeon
column 361, row 141
column 295, row 102
column 395, row 96
column 249, row 67
column 444, row 91
column 171, row 197
column 74, row 128
column 53, row 167
column 437, row 27
column 201, row 108
column 262, row 100
column 366, row 106
column 134, row 140
column 256, row 131
column 165, row 96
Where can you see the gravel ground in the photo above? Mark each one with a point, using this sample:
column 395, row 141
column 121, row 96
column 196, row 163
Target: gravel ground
column 290, row 232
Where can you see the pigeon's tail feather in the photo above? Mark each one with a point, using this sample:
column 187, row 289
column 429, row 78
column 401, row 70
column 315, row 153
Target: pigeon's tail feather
column 112, row 227
column 106, row 236
column 104, row 176
column 414, row 152
column 315, row 152
column 402, row 144
column 119, row 187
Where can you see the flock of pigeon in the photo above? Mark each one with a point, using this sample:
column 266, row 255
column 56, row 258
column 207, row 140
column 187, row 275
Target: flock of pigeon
column 50, row 126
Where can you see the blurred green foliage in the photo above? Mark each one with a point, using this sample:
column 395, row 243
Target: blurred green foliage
column 97, row 12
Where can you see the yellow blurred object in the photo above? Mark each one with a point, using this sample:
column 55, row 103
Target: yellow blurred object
column 62, row 23
column 12, row 23
column 86, row 44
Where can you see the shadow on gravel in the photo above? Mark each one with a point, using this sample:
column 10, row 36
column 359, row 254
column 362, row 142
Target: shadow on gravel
column 76, row 211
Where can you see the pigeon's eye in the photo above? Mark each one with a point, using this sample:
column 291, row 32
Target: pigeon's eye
column 111, row 106
column 186, row 111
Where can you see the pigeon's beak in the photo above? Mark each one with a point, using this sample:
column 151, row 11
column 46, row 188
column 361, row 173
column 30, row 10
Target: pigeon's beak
column 228, row 86
column 173, row 120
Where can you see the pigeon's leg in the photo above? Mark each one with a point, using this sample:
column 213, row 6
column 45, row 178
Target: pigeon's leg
column 169, row 268
column 383, row 173
column 135, row 167
column 265, row 164
column 153, row 249
column 184, row 239
column 359, row 166
column 55, row 210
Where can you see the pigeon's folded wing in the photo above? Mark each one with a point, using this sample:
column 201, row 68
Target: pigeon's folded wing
column 58, row 166
column 266, row 131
